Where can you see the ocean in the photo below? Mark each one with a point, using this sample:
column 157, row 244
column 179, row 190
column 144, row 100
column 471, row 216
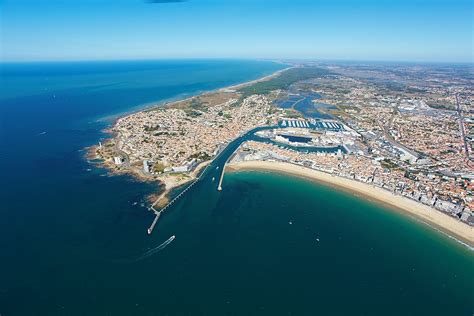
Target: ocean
column 73, row 239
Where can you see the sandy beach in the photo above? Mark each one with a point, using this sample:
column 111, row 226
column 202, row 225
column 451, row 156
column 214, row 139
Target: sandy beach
column 247, row 83
column 215, row 91
column 428, row 215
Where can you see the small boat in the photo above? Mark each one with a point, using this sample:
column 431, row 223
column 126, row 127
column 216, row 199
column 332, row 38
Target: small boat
column 217, row 168
column 213, row 179
column 290, row 222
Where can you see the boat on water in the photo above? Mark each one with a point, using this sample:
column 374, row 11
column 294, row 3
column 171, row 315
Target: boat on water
column 152, row 251
column 164, row 244
column 213, row 178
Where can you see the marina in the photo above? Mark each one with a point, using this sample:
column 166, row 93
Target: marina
column 314, row 124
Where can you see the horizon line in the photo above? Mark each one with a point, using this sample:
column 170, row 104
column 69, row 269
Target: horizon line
column 281, row 60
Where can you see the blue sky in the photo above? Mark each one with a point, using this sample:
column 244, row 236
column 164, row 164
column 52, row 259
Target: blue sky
column 404, row 30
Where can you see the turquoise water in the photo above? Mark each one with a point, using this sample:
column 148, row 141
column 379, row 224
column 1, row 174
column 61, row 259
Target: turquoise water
column 74, row 240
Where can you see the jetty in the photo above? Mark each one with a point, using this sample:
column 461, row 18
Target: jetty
column 167, row 206
column 219, row 187
column 158, row 213
column 150, row 230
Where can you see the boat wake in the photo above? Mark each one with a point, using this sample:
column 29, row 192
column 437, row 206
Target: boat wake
column 156, row 249
column 149, row 253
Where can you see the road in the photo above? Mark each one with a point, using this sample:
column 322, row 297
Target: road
column 461, row 127
column 394, row 143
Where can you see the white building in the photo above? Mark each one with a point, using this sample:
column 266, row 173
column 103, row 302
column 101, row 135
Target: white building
column 118, row 160
column 146, row 166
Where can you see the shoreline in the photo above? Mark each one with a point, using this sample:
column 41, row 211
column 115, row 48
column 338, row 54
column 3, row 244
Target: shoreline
column 165, row 185
column 150, row 106
column 174, row 101
column 246, row 83
column 429, row 216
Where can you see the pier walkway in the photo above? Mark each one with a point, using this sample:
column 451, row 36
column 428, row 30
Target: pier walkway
column 176, row 198
column 219, row 187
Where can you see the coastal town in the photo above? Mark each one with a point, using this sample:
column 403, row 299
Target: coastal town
column 171, row 143
column 408, row 134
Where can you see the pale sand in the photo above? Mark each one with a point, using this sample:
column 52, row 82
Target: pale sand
column 248, row 83
column 172, row 182
column 434, row 218
column 219, row 90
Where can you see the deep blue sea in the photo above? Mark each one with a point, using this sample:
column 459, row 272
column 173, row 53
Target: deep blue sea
column 73, row 240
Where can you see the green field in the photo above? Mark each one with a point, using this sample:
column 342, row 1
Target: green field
column 284, row 80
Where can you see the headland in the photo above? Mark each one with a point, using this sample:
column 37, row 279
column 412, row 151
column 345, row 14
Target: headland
column 172, row 143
